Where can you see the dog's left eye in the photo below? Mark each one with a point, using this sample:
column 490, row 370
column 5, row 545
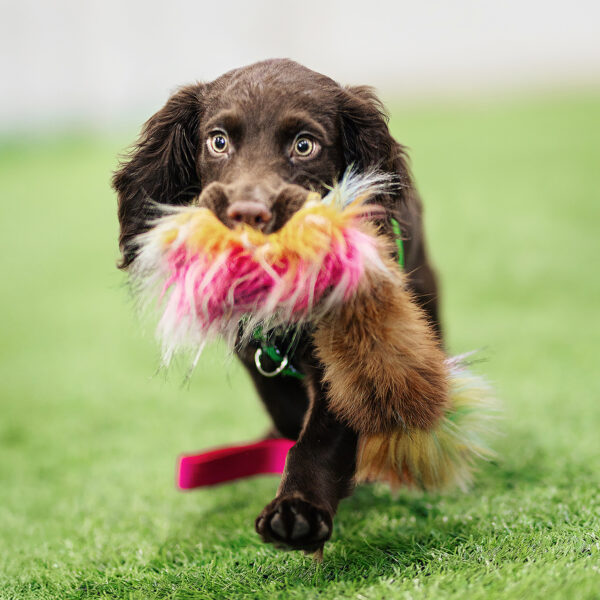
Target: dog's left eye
column 304, row 146
column 218, row 143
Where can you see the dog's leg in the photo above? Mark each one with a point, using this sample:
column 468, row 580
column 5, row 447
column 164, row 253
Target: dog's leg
column 420, row 274
column 422, row 280
column 318, row 474
column 285, row 398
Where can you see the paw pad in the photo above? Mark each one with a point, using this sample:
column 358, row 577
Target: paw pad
column 291, row 522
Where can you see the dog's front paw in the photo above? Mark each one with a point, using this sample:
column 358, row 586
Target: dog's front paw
column 292, row 523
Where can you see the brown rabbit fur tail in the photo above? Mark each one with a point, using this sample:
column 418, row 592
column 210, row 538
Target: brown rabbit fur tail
column 384, row 366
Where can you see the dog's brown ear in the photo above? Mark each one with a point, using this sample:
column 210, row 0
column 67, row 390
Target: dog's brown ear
column 161, row 167
column 368, row 144
column 366, row 139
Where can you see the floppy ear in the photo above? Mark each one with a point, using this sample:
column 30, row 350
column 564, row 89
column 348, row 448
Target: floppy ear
column 161, row 167
column 368, row 144
column 366, row 139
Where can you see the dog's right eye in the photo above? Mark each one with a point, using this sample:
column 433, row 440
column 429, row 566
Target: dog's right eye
column 218, row 143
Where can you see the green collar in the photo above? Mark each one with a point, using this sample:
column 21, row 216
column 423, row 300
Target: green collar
column 281, row 360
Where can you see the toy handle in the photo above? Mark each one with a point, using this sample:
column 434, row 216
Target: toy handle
column 232, row 462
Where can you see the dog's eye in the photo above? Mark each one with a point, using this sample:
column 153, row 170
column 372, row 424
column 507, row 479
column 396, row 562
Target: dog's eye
column 304, row 146
column 218, row 143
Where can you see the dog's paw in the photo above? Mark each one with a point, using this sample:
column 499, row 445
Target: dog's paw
column 292, row 523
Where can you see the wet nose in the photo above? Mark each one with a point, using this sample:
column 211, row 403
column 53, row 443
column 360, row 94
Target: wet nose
column 251, row 212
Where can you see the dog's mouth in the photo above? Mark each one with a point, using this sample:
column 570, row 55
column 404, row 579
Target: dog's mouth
column 211, row 277
column 266, row 212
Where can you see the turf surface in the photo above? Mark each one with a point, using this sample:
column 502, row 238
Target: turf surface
column 89, row 433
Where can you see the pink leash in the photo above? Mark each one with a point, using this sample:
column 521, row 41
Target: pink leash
column 232, row 462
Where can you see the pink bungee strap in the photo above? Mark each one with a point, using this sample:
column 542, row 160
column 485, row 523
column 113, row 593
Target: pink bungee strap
column 229, row 463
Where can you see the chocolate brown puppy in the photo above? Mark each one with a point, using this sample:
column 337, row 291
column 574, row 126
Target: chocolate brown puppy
column 250, row 146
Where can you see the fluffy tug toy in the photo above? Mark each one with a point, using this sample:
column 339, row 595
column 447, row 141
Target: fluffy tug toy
column 210, row 277
column 419, row 415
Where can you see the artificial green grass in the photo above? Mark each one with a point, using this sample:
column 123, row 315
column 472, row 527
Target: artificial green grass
column 89, row 434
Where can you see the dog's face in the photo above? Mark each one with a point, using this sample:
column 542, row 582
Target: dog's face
column 269, row 133
column 250, row 146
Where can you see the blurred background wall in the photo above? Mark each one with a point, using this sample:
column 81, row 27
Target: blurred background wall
column 103, row 63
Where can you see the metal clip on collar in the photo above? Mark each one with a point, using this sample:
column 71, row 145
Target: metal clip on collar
column 274, row 373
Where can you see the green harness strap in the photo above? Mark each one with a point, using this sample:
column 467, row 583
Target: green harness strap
column 282, row 363
column 399, row 242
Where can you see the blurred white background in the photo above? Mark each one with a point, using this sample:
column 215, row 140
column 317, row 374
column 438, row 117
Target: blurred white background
column 103, row 63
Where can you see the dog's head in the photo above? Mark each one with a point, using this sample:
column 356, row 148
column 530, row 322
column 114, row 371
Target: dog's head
column 251, row 144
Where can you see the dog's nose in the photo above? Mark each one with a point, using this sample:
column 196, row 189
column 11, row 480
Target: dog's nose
column 255, row 214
